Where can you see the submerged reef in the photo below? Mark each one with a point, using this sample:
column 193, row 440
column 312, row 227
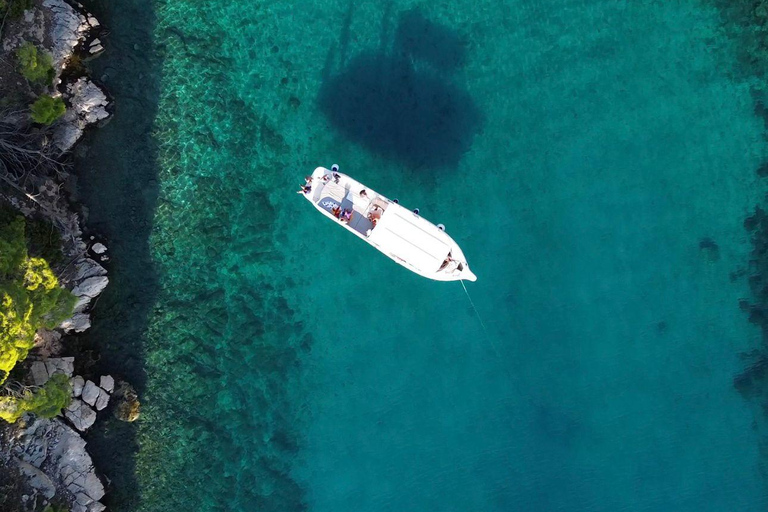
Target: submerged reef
column 746, row 22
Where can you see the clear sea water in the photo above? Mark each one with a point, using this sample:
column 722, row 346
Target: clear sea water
column 595, row 160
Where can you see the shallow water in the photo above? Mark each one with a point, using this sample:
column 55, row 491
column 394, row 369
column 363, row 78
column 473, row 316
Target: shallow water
column 595, row 160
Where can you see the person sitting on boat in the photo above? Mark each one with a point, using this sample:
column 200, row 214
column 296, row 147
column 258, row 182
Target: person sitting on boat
column 308, row 179
column 346, row 215
column 336, row 211
column 336, row 177
column 363, row 193
column 326, row 178
column 446, row 262
column 305, row 189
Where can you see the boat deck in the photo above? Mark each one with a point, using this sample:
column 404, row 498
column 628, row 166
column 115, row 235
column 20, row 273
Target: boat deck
column 402, row 235
column 347, row 197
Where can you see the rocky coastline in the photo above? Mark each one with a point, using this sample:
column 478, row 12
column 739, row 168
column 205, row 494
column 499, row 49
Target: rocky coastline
column 45, row 462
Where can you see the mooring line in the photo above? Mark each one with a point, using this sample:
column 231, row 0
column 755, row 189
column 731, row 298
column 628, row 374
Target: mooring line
column 482, row 324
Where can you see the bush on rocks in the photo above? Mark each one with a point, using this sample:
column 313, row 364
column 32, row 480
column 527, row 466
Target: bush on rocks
column 36, row 66
column 46, row 401
column 30, row 296
column 46, row 109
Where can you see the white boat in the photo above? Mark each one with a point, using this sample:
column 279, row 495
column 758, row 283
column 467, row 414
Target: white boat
column 401, row 234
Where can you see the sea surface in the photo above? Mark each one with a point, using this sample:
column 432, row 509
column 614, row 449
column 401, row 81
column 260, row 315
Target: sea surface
column 596, row 161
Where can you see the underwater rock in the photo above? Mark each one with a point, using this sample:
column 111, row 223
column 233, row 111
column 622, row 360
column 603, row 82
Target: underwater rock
column 710, row 248
column 128, row 408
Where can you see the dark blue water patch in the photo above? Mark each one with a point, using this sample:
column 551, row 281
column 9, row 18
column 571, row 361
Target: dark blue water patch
column 403, row 103
column 393, row 109
column 118, row 184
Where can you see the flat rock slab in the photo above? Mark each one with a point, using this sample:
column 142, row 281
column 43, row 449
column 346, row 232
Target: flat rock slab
column 91, row 286
column 81, row 416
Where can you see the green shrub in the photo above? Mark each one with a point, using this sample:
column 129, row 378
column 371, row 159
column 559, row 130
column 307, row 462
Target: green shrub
column 46, row 109
column 55, row 508
column 34, row 65
column 14, row 8
column 30, row 296
column 46, row 402
column 17, row 8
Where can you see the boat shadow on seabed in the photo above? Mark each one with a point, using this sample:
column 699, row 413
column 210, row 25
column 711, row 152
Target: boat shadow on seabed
column 403, row 104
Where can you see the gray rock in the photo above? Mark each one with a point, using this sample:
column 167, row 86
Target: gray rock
column 37, row 479
column 107, row 383
column 77, row 386
column 68, row 29
column 96, row 507
column 91, row 286
column 78, row 323
column 90, row 393
column 88, row 106
column 102, row 400
column 39, row 373
column 65, row 365
column 97, row 247
column 81, row 416
column 86, row 267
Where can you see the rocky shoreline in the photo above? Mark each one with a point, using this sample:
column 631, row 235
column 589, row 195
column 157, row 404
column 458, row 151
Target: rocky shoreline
column 47, row 459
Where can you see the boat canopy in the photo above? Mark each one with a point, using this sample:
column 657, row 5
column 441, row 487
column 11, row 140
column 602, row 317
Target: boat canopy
column 407, row 236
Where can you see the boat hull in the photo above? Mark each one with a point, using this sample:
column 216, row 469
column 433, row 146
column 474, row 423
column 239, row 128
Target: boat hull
column 402, row 235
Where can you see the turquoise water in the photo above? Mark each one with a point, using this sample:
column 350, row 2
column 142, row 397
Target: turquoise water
column 595, row 160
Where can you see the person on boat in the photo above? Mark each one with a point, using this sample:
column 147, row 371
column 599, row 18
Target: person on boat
column 346, row 215
column 448, row 259
column 305, row 189
column 308, row 179
column 336, row 177
column 363, row 193
column 326, row 178
column 336, row 211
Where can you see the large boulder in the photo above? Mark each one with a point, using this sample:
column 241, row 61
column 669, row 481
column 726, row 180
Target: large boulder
column 107, row 383
column 90, row 392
